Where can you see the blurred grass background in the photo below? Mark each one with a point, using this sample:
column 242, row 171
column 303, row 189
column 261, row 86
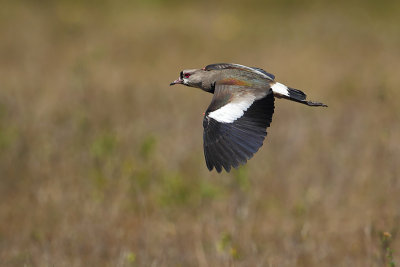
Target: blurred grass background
column 101, row 162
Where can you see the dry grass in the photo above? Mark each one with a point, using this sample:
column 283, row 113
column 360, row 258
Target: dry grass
column 101, row 161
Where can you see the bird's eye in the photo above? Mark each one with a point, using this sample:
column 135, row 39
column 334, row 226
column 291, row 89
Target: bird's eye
column 187, row 75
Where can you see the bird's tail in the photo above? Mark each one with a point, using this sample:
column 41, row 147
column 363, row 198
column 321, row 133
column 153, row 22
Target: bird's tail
column 282, row 91
column 299, row 96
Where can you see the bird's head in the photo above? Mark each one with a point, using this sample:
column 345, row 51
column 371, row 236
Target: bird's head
column 192, row 78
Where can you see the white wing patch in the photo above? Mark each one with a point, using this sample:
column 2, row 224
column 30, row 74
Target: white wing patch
column 280, row 89
column 233, row 110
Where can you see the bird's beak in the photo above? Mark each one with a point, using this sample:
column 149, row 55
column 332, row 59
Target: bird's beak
column 177, row 81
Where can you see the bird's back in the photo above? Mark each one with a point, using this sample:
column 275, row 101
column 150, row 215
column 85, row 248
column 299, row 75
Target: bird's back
column 241, row 77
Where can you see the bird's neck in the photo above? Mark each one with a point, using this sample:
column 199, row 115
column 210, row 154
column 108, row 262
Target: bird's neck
column 208, row 84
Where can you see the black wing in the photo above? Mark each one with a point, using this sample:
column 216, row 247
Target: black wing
column 231, row 144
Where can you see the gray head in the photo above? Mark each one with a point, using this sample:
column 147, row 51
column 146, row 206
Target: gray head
column 198, row 78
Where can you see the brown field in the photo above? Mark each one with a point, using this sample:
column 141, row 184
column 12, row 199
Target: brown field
column 101, row 162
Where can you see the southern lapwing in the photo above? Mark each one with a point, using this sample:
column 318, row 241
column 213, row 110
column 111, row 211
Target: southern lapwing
column 240, row 112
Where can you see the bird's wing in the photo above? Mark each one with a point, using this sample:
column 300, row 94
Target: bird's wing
column 221, row 66
column 235, row 125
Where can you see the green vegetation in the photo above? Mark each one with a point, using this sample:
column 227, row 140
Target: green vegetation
column 101, row 162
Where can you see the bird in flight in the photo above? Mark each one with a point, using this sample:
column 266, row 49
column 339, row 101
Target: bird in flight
column 235, row 124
